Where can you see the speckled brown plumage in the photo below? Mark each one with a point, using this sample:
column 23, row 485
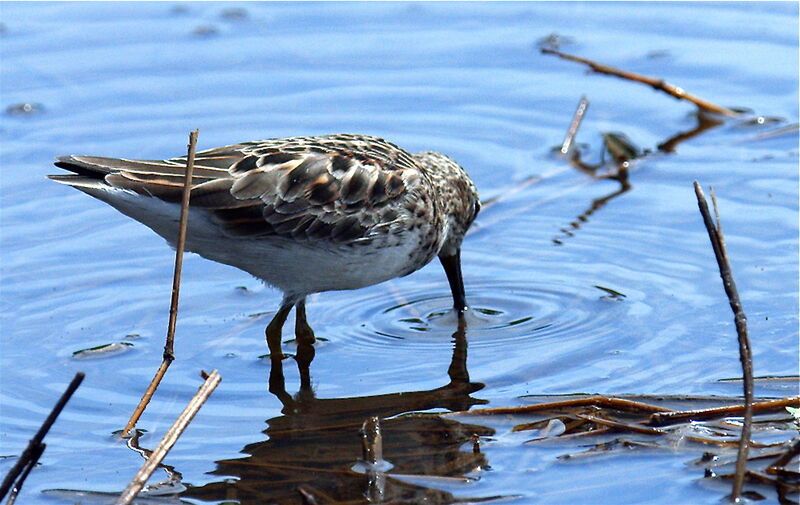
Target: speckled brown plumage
column 306, row 214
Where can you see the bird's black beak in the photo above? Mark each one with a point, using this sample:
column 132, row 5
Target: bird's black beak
column 452, row 267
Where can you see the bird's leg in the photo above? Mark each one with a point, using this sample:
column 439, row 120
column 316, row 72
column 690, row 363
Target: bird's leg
column 274, row 329
column 302, row 330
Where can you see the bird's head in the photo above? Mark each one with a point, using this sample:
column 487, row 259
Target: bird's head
column 461, row 205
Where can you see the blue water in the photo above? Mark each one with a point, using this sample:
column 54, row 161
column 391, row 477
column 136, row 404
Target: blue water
column 130, row 80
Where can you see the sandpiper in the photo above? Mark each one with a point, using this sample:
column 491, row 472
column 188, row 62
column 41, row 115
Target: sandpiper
column 304, row 214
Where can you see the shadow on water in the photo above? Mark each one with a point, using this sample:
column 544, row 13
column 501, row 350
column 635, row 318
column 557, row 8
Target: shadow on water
column 315, row 443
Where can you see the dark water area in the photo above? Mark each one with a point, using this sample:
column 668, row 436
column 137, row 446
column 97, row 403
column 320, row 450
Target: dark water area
column 541, row 265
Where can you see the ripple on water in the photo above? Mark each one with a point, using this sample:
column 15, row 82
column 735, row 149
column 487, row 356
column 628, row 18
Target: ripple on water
column 501, row 314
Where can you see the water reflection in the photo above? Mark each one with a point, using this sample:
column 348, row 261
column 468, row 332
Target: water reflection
column 705, row 122
column 596, row 204
column 621, row 152
column 312, row 447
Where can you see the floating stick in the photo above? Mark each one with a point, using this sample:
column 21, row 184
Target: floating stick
column 658, row 84
column 600, row 401
column 777, row 466
column 623, row 426
column 666, row 418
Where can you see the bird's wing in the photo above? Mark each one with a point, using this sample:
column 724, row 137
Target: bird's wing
column 342, row 188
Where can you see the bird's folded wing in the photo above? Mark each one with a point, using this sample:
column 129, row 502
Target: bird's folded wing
column 340, row 192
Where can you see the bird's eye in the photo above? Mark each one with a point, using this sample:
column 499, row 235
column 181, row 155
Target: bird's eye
column 477, row 209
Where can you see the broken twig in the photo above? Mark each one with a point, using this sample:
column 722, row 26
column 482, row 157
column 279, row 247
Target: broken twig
column 172, row 435
column 784, row 459
column 27, row 460
column 740, row 319
column 169, row 354
column 622, row 426
column 658, row 84
column 600, row 401
column 667, row 418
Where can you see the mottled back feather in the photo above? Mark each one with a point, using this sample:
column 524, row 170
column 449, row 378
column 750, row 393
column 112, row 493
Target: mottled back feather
column 334, row 188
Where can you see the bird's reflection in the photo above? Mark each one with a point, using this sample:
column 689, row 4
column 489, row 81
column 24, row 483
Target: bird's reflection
column 311, row 449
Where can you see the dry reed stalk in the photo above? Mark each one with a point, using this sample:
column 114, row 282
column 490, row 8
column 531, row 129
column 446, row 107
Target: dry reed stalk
column 170, row 437
column 667, row 418
column 27, row 460
column 740, row 319
column 600, row 401
column 621, row 426
column 169, row 354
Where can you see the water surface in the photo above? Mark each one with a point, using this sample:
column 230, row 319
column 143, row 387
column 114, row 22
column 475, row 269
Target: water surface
column 130, row 80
